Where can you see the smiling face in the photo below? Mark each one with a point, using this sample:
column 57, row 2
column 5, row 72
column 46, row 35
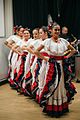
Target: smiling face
column 56, row 31
column 42, row 34
column 26, row 34
column 20, row 32
column 35, row 34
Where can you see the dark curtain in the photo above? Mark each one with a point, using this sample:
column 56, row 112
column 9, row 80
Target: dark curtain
column 54, row 9
column 70, row 16
column 30, row 13
column 66, row 13
column 33, row 13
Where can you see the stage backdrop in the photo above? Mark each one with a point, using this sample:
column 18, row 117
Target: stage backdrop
column 33, row 13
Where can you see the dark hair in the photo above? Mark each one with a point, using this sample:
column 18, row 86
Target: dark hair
column 27, row 29
column 55, row 24
column 36, row 29
column 19, row 27
column 15, row 29
column 44, row 28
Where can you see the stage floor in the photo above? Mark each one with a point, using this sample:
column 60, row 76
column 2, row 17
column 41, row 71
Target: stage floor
column 18, row 107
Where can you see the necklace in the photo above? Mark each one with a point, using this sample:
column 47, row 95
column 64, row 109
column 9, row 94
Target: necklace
column 55, row 40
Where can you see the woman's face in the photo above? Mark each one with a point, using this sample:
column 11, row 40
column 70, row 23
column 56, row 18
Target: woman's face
column 26, row 34
column 42, row 34
column 35, row 34
column 56, row 30
column 20, row 32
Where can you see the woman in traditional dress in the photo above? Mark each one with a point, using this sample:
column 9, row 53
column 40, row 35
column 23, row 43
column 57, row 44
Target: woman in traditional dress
column 12, row 58
column 54, row 95
column 26, row 85
column 22, row 56
column 36, row 82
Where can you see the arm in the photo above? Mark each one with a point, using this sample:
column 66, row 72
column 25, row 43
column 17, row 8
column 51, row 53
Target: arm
column 9, row 43
column 6, row 42
column 24, row 47
column 72, row 51
column 75, row 40
column 72, row 43
column 29, row 49
column 38, row 54
column 67, row 52
column 17, row 49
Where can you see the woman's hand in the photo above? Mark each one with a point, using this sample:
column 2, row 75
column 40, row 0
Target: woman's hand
column 46, row 59
column 24, row 47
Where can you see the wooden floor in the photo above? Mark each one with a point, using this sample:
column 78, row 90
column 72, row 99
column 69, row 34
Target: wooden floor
column 18, row 107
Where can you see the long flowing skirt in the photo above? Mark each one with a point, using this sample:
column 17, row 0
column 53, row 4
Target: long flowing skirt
column 53, row 97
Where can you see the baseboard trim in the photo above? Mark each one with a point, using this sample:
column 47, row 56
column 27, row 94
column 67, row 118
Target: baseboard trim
column 3, row 81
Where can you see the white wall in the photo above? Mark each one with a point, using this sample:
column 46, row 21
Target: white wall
column 4, row 51
column 8, row 10
column 2, row 30
column 8, row 29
